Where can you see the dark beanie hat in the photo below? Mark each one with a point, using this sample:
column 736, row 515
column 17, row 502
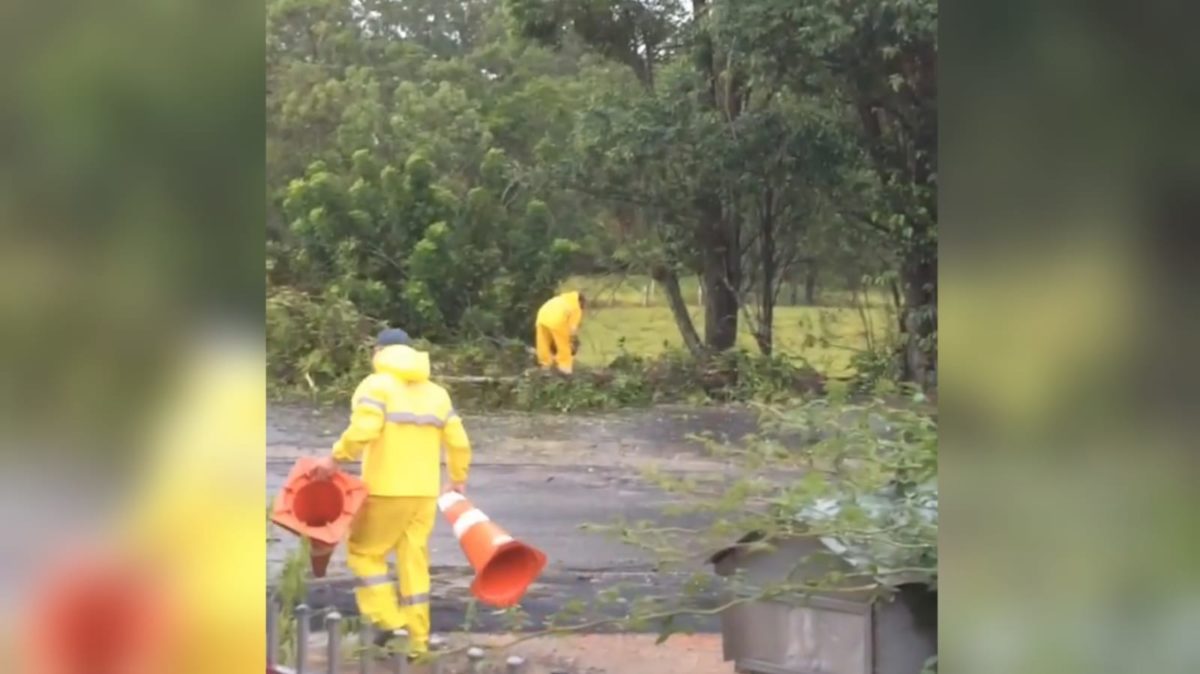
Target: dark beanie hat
column 392, row 337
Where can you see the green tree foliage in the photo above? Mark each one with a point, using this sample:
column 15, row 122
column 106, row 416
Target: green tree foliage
column 755, row 144
column 405, row 249
column 735, row 115
column 667, row 151
column 878, row 61
column 357, row 92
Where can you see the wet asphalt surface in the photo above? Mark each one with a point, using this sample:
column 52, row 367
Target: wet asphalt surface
column 541, row 478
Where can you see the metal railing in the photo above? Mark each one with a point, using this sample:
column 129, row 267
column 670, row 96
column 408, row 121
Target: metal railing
column 337, row 660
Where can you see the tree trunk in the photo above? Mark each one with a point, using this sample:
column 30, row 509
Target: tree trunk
column 625, row 220
column 810, row 286
column 720, row 280
column 764, row 334
column 721, row 256
column 720, row 302
column 898, row 303
column 679, row 311
column 919, row 318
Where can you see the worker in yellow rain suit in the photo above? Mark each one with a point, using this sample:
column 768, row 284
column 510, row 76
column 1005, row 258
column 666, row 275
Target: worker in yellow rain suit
column 556, row 329
column 399, row 422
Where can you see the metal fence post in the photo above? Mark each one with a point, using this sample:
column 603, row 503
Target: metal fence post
column 436, row 644
column 303, row 614
column 364, row 647
column 400, row 657
column 333, row 647
column 475, row 658
column 272, row 631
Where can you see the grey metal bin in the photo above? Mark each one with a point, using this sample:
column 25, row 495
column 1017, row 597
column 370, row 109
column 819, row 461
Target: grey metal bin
column 890, row 630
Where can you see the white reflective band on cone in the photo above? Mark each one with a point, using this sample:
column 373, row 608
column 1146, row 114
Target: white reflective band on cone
column 448, row 499
column 501, row 540
column 469, row 519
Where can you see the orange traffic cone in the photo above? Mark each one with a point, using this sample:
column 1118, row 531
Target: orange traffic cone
column 504, row 567
column 319, row 510
column 319, row 555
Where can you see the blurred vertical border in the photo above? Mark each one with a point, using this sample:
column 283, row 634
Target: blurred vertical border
column 1068, row 331
column 131, row 353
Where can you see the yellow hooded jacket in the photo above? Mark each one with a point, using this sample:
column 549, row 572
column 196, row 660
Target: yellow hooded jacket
column 561, row 313
column 399, row 422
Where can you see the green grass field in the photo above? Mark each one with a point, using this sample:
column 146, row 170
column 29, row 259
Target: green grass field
column 825, row 336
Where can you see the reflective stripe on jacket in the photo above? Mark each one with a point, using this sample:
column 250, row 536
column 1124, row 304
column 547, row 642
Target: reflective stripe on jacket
column 398, row 424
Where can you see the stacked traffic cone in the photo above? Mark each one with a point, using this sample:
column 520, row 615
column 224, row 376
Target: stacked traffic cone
column 504, row 567
column 319, row 510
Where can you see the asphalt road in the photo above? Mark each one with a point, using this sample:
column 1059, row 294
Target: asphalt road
column 542, row 478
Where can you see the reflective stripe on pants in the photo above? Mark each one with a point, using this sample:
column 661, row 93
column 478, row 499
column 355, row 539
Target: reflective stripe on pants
column 403, row 525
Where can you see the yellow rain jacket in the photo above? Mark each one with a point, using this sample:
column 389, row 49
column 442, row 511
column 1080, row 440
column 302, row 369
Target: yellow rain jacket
column 557, row 322
column 399, row 422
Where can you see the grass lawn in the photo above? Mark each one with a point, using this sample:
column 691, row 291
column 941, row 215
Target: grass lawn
column 825, row 336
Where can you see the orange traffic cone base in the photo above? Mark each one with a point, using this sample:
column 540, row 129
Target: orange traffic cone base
column 504, row 579
column 504, row 567
column 320, row 510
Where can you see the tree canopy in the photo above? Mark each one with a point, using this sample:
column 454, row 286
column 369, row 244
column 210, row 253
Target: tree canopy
column 447, row 164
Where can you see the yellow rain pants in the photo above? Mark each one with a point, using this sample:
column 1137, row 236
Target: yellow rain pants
column 554, row 348
column 557, row 322
column 400, row 524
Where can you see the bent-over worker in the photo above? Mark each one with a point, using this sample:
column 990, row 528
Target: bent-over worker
column 399, row 422
column 556, row 329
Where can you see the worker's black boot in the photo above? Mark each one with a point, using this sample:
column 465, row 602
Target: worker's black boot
column 389, row 642
column 384, row 637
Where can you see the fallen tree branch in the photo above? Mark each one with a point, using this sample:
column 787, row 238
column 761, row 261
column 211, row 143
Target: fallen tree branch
column 477, row 379
column 659, row 616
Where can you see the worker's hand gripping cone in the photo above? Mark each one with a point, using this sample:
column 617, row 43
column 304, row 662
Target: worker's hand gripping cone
column 319, row 510
column 504, row 567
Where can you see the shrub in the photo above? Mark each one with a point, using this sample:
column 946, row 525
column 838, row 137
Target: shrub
column 402, row 246
column 319, row 346
column 316, row 343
